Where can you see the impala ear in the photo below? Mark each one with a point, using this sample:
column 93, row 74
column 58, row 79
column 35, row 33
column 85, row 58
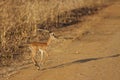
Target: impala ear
column 50, row 32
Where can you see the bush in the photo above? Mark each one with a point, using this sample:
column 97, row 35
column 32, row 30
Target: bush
column 20, row 19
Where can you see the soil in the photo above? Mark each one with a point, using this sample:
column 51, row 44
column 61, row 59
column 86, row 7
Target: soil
column 85, row 51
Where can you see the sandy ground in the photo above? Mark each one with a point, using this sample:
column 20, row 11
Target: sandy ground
column 93, row 56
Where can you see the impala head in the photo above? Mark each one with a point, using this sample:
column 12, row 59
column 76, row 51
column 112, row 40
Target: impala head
column 52, row 34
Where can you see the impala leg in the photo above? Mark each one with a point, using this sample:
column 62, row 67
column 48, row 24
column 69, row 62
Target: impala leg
column 33, row 54
column 41, row 51
column 46, row 56
column 33, row 60
column 42, row 55
column 35, row 63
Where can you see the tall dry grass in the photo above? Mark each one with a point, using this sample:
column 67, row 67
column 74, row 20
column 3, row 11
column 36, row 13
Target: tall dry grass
column 20, row 19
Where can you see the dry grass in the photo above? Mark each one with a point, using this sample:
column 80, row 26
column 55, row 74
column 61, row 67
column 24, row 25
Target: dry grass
column 20, row 19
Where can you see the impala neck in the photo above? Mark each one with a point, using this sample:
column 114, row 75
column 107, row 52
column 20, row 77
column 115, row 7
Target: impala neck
column 50, row 39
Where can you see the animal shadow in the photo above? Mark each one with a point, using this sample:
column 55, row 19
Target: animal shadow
column 81, row 61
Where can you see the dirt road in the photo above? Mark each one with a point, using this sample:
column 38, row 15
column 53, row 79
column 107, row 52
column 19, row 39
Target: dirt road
column 93, row 56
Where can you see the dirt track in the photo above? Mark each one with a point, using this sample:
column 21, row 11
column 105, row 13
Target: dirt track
column 93, row 56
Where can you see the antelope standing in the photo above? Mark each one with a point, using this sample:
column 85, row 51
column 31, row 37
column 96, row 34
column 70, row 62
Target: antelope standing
column 38, row 47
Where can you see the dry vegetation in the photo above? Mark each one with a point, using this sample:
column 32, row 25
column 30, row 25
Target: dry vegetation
column 20, row 19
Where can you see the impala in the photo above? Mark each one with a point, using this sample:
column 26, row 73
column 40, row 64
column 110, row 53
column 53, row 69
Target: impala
column 38, row 47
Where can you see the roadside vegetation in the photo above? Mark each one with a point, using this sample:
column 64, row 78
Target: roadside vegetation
column 21, row 19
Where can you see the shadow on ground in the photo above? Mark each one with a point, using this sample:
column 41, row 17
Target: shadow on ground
column 81, row 61
column 68, row 18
